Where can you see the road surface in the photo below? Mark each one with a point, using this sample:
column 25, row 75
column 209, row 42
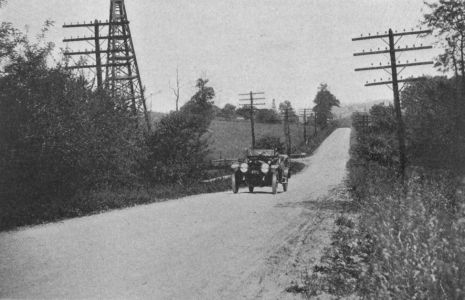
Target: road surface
column 210, row 246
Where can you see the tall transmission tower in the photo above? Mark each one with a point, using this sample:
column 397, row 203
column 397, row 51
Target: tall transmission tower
column 393, row 65
column 122, row 77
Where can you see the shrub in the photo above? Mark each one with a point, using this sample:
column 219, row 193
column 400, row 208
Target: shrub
column 267, row 116
column 178, row 146
column 407, row 242
column 270, row 142
column 177, row 149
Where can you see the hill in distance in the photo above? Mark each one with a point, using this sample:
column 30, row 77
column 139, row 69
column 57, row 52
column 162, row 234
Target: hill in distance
column 346, row 110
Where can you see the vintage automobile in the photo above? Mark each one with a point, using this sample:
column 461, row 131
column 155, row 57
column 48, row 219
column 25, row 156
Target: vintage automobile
column 261, row 167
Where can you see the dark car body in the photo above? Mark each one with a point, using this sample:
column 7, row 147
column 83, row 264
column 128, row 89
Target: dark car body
column 261, row 167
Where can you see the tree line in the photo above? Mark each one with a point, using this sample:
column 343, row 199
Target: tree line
column 324, row 101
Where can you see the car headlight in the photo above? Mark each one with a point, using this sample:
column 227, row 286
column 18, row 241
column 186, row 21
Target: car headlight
column 244, row 167
column 265, row 168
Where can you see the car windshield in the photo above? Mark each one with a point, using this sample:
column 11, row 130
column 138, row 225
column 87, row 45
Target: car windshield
column 261, row 152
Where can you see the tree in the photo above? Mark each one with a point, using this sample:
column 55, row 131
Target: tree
column 243, row 112
column 267, row 116
column 179, row 144
column 286, row 105
column 177, row 149
column 324, row 102
column 433, row 134
column 176, row 90
column 228, row 112
column 270, row 142
column 446, row 17
column 200, row 106
column 57, row 135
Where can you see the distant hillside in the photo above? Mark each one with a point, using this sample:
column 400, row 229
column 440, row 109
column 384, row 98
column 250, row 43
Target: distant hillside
column 230, row 138
column 348, row 109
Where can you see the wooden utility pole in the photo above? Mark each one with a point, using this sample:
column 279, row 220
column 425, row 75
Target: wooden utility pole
column 313, row 115
column 252, row 106
column 395, row 89
column 305, row 126
column 305, row 114
column 393, row 65
column 287, row 131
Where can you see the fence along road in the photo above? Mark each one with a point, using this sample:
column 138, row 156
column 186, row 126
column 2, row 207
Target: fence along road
column 208, row 246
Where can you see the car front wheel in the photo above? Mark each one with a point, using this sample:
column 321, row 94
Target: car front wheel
column 285, row 186
column 274, row 183
column 235, row 187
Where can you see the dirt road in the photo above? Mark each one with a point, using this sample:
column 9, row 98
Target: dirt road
column 211, row 246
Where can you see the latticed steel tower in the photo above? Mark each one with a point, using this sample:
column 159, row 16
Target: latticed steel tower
column 122, row 77
column 122, row 74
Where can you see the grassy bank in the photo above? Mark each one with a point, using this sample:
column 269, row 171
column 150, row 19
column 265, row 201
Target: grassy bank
column 50, row 210
column 16, row 215
column 407, row 239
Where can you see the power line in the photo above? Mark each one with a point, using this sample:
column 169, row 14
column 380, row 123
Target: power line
column 287, row 129
column 393, row 65
column 305, row 113
column 252, row 106
column 116, row 66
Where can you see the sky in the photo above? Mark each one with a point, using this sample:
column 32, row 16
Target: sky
column 284, row 48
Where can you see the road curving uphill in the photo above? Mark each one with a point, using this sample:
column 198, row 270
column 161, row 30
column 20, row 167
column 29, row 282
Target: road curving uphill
column 209, row 246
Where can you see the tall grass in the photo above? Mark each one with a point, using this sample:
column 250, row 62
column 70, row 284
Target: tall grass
column 54, row 209
column 407, row 241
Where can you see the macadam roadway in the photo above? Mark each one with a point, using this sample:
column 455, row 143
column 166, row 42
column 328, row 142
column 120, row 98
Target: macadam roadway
column 209, row 246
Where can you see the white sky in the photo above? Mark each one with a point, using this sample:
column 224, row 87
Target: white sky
column 285, row 48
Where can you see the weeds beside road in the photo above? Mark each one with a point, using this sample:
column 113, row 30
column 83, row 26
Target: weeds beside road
column 405, row 241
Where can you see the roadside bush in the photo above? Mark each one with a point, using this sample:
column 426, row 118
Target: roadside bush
column 228, row 112
column 177, row 149
column 315, row 140
column 407, row 242
column 58, row 137
column 270, row 142
column 267, row 116
column 434, row 123
column 179, row 145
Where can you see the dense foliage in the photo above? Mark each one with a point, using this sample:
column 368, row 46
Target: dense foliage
column 270, row 142
column 267, row 116
column 407, row 241
column 445, row 17
column 286, row 108
column 434, row 121
column 178, row 146
column 228, row 112
column 324, row 102
column 58, row 137
column 64, row 144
